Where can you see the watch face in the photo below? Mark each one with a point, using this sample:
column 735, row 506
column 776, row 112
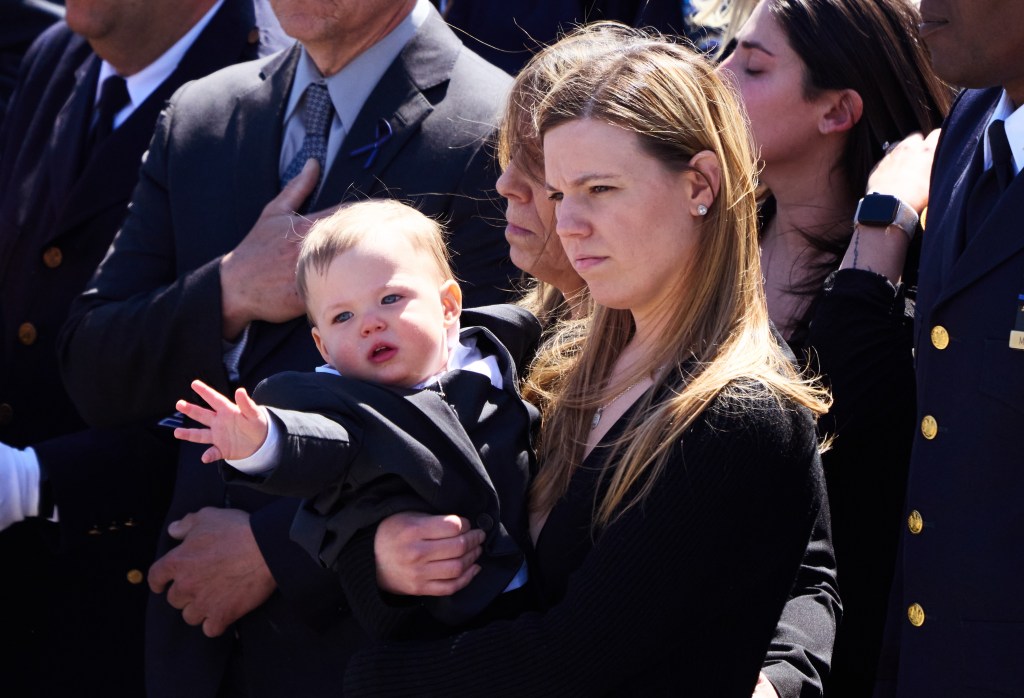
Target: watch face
column 878, row 210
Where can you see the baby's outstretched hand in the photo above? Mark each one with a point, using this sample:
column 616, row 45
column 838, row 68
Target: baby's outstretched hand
column 234, row 431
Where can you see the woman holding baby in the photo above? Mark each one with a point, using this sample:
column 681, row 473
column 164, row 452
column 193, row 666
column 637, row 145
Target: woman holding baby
column 680, row 477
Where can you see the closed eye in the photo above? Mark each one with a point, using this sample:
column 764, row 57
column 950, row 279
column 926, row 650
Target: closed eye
column 600, row 188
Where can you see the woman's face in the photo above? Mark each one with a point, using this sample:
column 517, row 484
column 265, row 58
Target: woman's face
column 625, row 220
column 530, row 232
column 770, row 76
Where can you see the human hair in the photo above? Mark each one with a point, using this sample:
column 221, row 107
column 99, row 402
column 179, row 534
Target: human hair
column 717, row 337
column 519, row 141
column 872, row 47
column 354, row 222
column 726, row 16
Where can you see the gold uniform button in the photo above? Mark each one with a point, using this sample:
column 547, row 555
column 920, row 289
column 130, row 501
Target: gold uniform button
column 6, row 413
column 929, row 427
column 915, row 614
column 52, row 257
column 940, row 338
column 134, row 577
column 915, row 522
column 27, row 334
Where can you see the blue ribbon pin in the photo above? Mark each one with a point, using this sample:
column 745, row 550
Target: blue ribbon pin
column 383, row 135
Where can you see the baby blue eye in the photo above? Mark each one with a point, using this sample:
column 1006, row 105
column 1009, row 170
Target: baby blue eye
column 344, row 316
column 390, row 298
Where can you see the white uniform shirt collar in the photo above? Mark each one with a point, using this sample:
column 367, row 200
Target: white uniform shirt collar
column 143, row 83
column 1014, row 123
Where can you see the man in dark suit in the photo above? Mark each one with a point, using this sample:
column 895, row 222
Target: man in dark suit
column 73, row 598
column 200, row 283
column 956, row 622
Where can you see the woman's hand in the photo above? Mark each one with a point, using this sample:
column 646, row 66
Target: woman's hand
column 423, row 555
column 906, row 169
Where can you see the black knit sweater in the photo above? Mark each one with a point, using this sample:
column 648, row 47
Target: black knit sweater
column 678, row 596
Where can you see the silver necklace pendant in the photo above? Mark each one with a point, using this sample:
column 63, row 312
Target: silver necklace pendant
column 597, row 418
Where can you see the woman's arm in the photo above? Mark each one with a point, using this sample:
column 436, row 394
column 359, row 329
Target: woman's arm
column 684, row 590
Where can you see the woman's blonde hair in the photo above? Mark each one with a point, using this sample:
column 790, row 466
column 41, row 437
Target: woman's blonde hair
column 718, row 337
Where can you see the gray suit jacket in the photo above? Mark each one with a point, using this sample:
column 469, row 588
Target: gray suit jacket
column 152, row 312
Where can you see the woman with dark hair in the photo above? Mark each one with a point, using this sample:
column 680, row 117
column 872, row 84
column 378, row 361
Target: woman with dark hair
column 827, row 85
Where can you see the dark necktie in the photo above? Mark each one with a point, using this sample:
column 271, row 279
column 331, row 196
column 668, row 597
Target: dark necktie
column 317, row 115
column 113, row 98
column 991, row 184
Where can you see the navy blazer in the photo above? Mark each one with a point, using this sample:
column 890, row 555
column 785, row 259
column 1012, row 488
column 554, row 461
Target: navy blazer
column 153, row 311
column 957, row 617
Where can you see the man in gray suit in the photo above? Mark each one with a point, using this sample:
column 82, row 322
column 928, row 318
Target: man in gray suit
column 199, row 283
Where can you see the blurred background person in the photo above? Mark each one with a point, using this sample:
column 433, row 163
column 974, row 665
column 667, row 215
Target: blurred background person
column 827, row 84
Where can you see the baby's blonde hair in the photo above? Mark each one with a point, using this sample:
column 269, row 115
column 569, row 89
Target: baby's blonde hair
column 355, row 222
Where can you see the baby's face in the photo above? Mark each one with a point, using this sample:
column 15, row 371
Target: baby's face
column 382, row 313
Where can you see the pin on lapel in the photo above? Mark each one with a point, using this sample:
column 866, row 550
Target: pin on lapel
column 383, row 135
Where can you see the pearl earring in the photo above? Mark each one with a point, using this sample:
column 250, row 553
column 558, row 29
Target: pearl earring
column 702, row 210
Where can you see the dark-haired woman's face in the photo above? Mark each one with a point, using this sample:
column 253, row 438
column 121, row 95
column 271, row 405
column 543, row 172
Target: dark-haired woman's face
column 770, row 77
column 533, row 245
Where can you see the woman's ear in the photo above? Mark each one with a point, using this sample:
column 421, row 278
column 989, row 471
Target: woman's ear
column 705, row 179
column 451, row 301
column 845, row 107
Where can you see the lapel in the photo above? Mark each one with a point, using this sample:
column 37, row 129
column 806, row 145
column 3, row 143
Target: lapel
column 256, row 129
column 953, row 211
column 999, row 237
column 424, row 63
column 109, row 178
column 66, row 146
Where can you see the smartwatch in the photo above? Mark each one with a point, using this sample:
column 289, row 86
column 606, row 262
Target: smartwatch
column 882, row 210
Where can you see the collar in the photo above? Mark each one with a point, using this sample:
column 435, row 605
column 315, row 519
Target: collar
column 351, row 86
column 1014, row 122
column 143, row 83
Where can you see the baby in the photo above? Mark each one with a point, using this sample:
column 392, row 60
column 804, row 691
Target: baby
column 410, row 413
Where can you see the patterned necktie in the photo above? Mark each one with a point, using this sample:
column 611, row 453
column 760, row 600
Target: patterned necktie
column 113, row 98
column 317, row 115
column 991, row 184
